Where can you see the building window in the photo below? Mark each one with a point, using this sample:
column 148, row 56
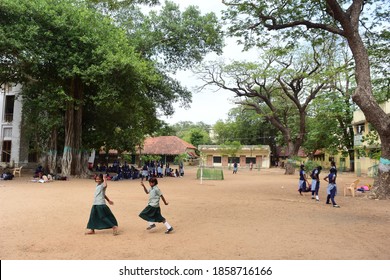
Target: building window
column 7, row 132
column 9, row 108
column 233, row 159
column 217, row 159
column 320, row 157
column 248, row 160
column 360, row 129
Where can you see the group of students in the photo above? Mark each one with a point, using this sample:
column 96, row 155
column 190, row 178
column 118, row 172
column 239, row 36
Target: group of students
column 315, row 183
column 156, row 169
column 42, row 176
column 101, row 216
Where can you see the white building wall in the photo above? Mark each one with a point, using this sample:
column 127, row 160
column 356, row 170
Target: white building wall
column 16, row 131
column 11, row 131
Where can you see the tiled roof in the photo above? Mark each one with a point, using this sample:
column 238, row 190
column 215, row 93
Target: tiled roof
column 282, row 152
column 166, row 145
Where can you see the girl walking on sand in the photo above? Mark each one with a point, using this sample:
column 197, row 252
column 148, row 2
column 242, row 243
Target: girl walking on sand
column 152, row 212
column 302, row 180
column 101, row 216
column 315, row 182
column 332, row 188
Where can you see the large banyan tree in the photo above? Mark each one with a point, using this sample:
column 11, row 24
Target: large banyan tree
column 86, row 81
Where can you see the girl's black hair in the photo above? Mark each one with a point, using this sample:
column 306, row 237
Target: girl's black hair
column 153, row 180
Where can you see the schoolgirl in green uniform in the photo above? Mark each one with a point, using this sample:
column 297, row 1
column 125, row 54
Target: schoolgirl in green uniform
column 152, row 212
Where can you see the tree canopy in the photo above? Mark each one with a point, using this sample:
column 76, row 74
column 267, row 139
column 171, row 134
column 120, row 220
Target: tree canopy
column 352, row 21
column 102, row 89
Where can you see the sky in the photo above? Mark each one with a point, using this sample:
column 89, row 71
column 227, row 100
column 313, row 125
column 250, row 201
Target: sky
column 209, row 105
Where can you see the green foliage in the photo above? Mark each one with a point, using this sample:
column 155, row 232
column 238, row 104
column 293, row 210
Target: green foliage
column 310, row 165
column 127, row 157
column 230, row 148
column 362, row 26
column 360, row 152
column 194, row 133
column 244, row 125
column 181, row 158
column 279, row 88
column 371, row 138
column 70, row 52
column 68, row 45
column 293, row 22
column 176, row 40
column 164, row 129
column 113, row 5
column 199, row 137
column 328, row 124
column 149, row 158
column 375, row 154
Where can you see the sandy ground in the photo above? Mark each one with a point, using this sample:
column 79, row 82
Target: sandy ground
column 251, row 215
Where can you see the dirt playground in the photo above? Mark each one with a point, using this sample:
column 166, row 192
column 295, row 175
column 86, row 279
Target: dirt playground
column 251, row 215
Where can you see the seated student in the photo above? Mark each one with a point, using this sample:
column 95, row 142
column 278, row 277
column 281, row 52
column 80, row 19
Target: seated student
column 46, row 179
column 159, row 171
column 134, row 173
column 363, row 189
column 38, row 172
column 7, row 175
column 145, row 172
column 170, row 172
column 60, row 178
column 117, row 177
column 167, row 169
column 37, row 177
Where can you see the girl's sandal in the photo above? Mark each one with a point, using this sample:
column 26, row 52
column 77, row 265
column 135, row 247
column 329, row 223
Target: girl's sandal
column 89, row 232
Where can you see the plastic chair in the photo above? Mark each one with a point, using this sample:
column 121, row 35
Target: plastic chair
column 351, row 187
column 18, row 170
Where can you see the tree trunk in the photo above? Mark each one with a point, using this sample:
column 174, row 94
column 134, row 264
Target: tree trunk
column 290, row 169
column 381, row 188
column 373, row 112
column 52, row 155
column 66, row 162
column 71, row 158
column 289, row 166
column 77, row 132
column 351, row 160
column 84, row 171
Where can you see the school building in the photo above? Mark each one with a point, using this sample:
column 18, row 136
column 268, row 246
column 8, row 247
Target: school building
column 14, row 147
column 216, row 156
column 366, row 154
